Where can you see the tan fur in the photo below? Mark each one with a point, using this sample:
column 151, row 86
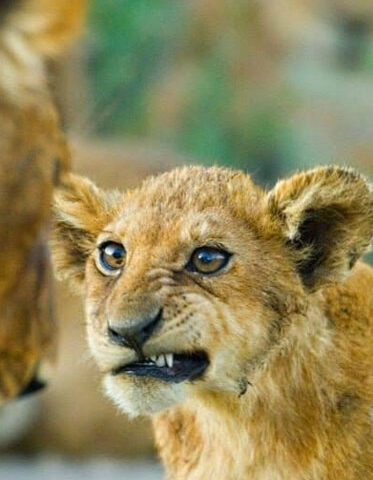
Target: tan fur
column 289, row 388
column 33, row 152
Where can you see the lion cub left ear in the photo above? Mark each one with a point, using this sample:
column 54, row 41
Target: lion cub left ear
column 80, row 212
column 326, row 217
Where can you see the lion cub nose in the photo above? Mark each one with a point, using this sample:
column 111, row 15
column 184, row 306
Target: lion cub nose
column 136, row 334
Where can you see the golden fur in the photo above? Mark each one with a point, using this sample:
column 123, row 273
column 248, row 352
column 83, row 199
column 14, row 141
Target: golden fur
column 287, row 325
column 33, row 153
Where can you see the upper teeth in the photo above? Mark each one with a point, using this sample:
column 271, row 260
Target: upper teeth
column 163, row 360
column 170, row 359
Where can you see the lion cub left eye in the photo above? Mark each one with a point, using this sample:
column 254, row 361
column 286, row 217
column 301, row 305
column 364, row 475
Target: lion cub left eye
column 111, row 258
column 208, row 260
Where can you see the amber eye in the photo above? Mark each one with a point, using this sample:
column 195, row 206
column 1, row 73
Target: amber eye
column 111, row 258
column 208, row 260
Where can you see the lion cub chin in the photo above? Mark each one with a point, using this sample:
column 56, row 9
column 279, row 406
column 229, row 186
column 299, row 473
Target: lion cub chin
column 243, row 315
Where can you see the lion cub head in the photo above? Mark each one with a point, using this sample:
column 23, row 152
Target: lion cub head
column 187, row 280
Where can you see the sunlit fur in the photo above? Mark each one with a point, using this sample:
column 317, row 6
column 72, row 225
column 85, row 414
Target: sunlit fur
column 32, row 153
column 287, row 325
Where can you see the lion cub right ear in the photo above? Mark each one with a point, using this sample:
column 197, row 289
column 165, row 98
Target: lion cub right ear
column 80, row 212
column 325, row 216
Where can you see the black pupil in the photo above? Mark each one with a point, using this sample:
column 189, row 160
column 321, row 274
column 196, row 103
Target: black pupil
column 206, row 257
column 114, row 254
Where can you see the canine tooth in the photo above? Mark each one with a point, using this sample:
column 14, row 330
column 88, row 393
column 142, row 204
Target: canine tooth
column 161, row 361
column 170, row 359
column 153, row 358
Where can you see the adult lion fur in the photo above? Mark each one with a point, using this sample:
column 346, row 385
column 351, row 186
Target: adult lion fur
column 33, row 153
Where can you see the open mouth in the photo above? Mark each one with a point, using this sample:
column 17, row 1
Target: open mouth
column 170, row 367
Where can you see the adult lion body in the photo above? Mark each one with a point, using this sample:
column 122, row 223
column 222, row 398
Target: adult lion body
column 32, row 153
column 243, row 317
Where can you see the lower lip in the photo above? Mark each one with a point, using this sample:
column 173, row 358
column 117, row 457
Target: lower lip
column 185, row 367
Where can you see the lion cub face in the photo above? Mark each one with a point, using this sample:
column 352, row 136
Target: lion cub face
column 189, row 280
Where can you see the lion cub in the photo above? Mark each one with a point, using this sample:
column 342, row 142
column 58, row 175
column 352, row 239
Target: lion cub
column 243, row 316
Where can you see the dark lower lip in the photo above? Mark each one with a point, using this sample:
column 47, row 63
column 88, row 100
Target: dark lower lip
column 34, row 386
column 185, row 367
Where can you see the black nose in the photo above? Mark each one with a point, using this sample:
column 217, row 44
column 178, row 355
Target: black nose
column 136, row 335
column 34, row 386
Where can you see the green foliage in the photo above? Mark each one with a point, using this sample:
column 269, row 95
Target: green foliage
column 132, row 41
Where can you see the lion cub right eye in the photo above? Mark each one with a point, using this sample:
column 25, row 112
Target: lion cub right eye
column 208, row 260
column 111, row 258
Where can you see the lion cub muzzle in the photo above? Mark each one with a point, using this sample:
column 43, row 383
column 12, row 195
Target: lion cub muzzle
column 170, row 367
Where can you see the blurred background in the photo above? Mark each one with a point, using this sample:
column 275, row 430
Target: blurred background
column 268, row 86
column 263, row 85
